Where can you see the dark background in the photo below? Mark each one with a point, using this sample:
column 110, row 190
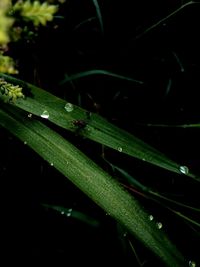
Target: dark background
column 167, row 60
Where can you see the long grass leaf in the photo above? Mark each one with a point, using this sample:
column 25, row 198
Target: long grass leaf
column 191, row 125
column 93, row 181
column 92, row 126
column 163, row 20
column 84, row 74
column 99, row 16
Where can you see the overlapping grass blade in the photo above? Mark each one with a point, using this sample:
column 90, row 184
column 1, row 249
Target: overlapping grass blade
column 92, row 126
column 190, row 125
column 99, row 16
column 75, row 214
column 83, row 74
column 92, row 180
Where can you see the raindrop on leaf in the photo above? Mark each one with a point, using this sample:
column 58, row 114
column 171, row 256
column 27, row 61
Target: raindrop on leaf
column 45, row 114
column 30, row 115
column 69, row 107
column 69, row 213
column 192, row 264
column 159, row 225
column 184, row 169
column 151, row 217
column 120, row 149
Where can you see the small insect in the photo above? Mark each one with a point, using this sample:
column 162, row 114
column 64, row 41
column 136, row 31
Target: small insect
column 80, row 124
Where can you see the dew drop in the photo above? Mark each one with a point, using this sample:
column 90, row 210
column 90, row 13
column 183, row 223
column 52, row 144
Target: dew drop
column 192, row 264
column 125, row 234
column 184, row 169
column 69, row 107
column 69, row 212
column 159, row 225
column 120, row 149
column 45, row 114
column 25, row 143
column 62, row 212
column 88, row 128
column 151, row 217
column 30, row 115
column 51, row 163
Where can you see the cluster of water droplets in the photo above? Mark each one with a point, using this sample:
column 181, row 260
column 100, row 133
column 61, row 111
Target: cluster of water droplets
column 159, row 225
column 45, row 114
column 68, row 213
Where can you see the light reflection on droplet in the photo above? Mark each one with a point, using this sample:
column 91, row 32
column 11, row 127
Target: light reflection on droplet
column 51, row 163
column 69, row 212
column 192, row 264
column 151, row 217
column 88, row 128
column 45, row 114
column 184, row 169
column 69, row 107
column 120, row 149
column 159, row 225
column 30, row 115
column 25, row 143
column 62, row 212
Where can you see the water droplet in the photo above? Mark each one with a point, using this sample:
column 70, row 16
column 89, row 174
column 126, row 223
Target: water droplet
column 151, row 217
column 25, row 143
column 125, row 234
column 88, row 128
column 120, row 149
column 192, row 264
column 51, row 163
column 159, row 225
column 69, row 107
column 45, row 114
column 62, row 212
column 184, row 169
column 69, row 212
column 30, row 115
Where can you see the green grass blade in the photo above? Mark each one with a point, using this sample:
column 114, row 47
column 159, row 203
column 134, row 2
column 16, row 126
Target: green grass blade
column 192, row 125
column 144, row 189
column 93, row 181
column 165, row 19
column 75, row 214
column 98, row 72
column 99, row 16
column 98, row 129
